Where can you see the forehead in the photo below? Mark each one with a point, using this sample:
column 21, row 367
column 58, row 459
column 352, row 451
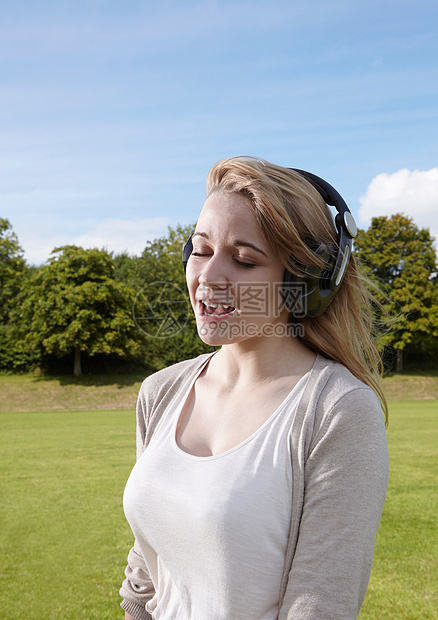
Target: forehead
column 225, row 211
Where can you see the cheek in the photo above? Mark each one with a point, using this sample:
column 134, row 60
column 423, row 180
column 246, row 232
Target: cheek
column 191, row 280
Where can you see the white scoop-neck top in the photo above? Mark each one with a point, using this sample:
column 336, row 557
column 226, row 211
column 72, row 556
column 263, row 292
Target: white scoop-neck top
column 213, row 530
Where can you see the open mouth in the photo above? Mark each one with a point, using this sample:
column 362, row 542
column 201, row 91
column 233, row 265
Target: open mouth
column 209, row 308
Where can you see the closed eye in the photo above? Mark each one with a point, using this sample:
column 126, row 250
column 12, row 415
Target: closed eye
column 243, row 264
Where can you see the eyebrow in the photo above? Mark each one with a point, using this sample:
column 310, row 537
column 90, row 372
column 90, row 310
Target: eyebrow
column 237, row 243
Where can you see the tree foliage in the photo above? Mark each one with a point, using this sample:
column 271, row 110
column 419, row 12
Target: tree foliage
column 402, row 260
column 13, row 274
column 74, row 304
column 12, row 268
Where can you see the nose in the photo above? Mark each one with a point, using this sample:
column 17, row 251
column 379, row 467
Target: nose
column 213, row 273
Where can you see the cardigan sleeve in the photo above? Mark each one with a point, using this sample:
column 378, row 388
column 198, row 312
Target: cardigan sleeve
column 345, row 482
column 137, row 588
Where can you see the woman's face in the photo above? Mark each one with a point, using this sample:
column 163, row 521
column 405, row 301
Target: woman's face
column 233, row 276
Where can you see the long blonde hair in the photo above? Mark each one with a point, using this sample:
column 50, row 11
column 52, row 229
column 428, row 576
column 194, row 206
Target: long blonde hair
column 294, row 219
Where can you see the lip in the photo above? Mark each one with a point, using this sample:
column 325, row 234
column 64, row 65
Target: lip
column 208, row 318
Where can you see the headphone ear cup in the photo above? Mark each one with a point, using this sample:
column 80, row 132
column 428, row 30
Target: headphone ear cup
column 187, row 250
column 328, row 253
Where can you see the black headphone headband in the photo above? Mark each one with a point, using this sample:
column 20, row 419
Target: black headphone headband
column 317, row 286
column 322, row 284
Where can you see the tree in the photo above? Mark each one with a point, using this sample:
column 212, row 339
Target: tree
column 402, row 260
column 13, row 273
column 75, row 305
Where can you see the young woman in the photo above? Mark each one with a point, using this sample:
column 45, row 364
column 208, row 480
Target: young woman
column 262, row 467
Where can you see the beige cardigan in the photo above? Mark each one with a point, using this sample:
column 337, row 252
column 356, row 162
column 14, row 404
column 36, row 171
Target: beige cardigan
column 340, row 477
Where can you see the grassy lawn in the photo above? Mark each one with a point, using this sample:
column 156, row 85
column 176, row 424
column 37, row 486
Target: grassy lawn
column 68, row 393
column 404, row 580
column 64, row 538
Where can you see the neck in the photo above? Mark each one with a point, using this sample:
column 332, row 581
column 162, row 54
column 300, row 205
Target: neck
column 272, row 358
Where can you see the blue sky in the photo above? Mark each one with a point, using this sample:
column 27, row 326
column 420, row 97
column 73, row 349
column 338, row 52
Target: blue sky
column 111, row 113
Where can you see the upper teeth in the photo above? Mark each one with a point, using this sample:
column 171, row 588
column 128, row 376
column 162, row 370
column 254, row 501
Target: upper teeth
column 212, row 305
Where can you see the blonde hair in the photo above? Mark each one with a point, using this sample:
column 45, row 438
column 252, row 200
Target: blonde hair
column 295, row 219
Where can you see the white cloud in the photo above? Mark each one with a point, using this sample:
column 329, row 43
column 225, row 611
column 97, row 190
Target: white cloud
column 113, row 235
column 414, row 193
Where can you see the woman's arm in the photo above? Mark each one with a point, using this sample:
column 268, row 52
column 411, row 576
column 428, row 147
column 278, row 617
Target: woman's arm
column 345, row 482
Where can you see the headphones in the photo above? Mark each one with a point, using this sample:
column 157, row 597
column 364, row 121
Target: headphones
column 309, row 294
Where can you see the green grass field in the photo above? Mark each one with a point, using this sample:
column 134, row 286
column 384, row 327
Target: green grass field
column 404, row 580
column 64, row 538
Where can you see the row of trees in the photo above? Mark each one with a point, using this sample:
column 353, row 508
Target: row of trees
column 91, row 309
column 88, row 310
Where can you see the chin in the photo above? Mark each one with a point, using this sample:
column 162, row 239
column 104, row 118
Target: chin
column 217, row 334
column 212, row 338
